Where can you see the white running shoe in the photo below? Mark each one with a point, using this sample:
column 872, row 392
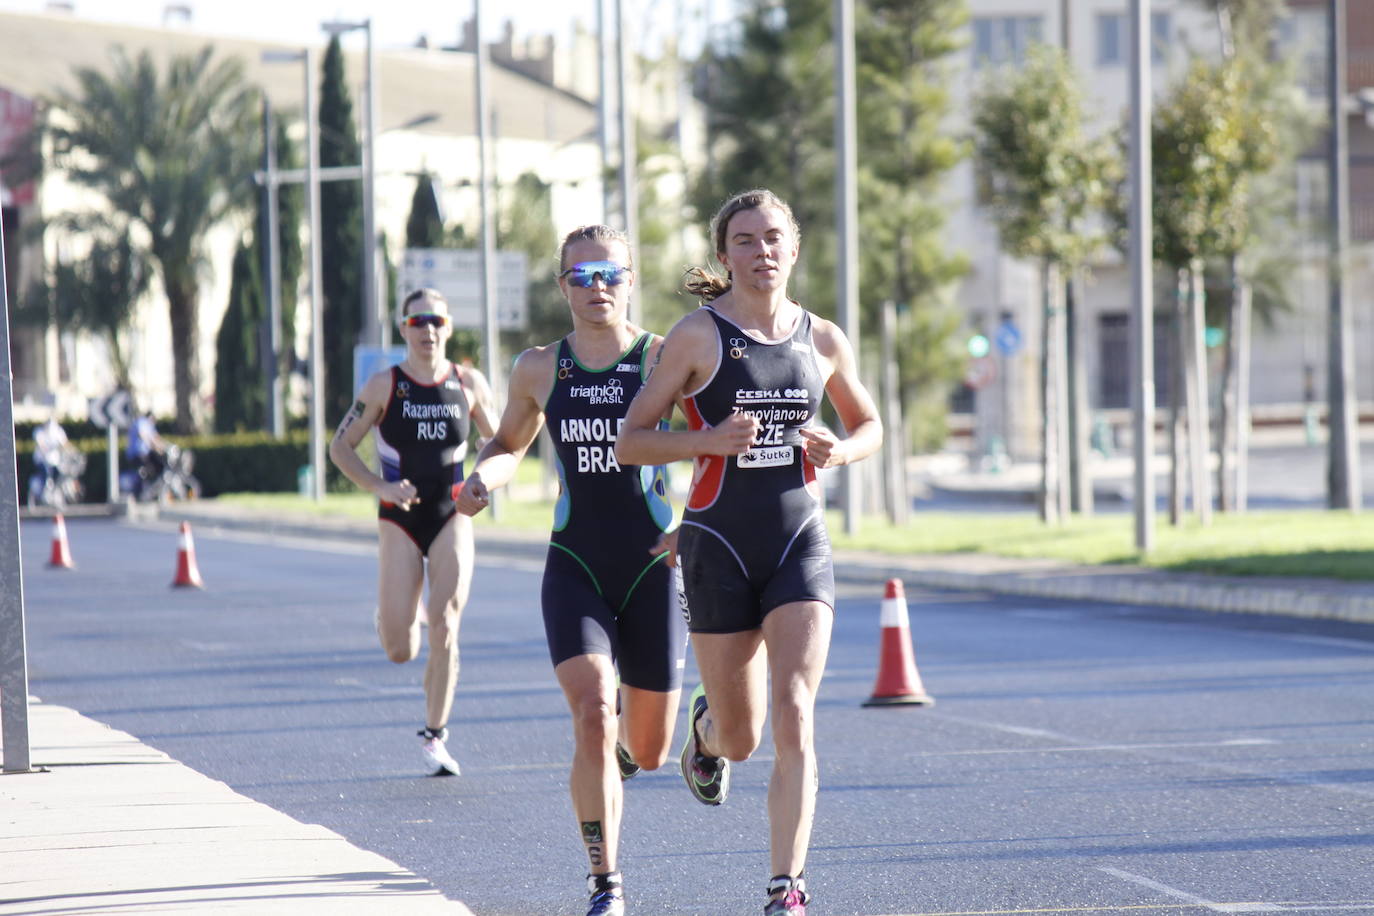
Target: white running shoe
column 441, row 762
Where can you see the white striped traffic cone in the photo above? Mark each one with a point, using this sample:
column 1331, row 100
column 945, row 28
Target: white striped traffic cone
column 188, row 575
column 899, row 683
column 61, row 556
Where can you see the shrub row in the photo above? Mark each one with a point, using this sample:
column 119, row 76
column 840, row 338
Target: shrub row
column 230, row 463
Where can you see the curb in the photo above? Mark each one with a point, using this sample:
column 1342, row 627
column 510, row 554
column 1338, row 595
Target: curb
column 1309, row 598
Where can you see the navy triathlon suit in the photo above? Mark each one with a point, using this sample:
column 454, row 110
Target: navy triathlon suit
column 604, row 593
column 423, row 437
column 753, row 536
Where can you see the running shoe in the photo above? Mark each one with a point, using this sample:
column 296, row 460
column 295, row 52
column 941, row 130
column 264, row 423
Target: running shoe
column 788, row 896
column 628, row 767
column 441, row 762
column 608, row 895
column 707, row 777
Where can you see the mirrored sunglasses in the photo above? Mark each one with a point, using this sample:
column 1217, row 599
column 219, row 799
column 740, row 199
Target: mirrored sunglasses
column 584, row 274
column 425, row 320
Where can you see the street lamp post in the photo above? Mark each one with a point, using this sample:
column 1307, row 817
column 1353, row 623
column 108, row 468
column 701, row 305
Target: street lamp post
column 376, row 330
column 1142, row 292
column 847, row 217
column 312, row 184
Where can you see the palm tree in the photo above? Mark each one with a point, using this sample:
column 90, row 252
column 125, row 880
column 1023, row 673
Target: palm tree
column 173, row 153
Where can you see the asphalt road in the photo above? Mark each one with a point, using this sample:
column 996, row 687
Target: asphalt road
column 1082, row 758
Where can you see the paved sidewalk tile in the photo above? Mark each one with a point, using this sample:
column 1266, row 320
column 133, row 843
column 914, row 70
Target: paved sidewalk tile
column 115, row 826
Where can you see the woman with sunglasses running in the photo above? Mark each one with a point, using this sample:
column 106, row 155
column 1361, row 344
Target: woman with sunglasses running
column 422, row 410
column 756, row 563
column 609, row 596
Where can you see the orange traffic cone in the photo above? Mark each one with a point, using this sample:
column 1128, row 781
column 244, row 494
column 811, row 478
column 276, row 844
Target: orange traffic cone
column 61, row 557
column 188, row 576
column 898, row 684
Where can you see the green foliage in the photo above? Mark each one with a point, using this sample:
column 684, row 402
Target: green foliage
column 96, row 293
column 525, row 223
column 341, row 249
column 240, row 394
column 290, row 249
column 424, row 227
column 1045, row 177
column 907, row 156
column 171, row 152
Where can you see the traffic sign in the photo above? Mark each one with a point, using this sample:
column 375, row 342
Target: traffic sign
column 1008, row 338
column 457, row 273
column 980, row 372
column 113, row 410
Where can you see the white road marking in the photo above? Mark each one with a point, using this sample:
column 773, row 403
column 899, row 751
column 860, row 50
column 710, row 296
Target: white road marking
column 1191, row 898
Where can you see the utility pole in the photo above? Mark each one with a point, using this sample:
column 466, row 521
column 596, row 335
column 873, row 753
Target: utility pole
column 312, row 133
column 1139, row 168
column 1343, row 443
column 847, row 217
column 14, row 664
column 276, row 418
column 629, row 192
column 603, row 110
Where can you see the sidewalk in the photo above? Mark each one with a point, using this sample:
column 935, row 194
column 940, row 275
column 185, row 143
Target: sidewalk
column 112, row 825
column 107, row 824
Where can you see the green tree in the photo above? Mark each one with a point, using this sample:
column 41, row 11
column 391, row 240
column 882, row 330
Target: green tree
column 290, row 250
column 341, row 248
column 1044, row 178
column 424, row 225
column 770, row 123
column 240, row 396
column 907, row 155
column 96, row 293
column 172, row 153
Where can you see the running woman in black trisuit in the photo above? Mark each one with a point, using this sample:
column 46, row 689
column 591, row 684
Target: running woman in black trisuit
column 422, row 410
column 753, row 549
column 609, row 598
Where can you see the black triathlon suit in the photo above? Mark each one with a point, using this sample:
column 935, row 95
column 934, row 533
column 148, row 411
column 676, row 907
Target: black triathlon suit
column 753, row 535
column 604, row 593
column 422, row 437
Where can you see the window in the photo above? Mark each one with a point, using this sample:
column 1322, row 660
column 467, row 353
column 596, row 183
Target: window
column 1114, row 39
column 1114, row 351
column 1001, row 40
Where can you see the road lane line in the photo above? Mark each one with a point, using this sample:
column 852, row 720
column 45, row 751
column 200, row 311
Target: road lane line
column 1191, row 898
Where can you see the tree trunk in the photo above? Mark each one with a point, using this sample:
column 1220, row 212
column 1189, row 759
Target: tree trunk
column 184, row 315
column 1241, row 331
column 1049, row 409
column 1080, row 420
column 1198, row 424
column 1226, row 446
column 1176, row 386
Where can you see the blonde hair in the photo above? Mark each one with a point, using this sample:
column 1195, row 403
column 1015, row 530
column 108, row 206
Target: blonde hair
column 595, row 232
column 708, row 286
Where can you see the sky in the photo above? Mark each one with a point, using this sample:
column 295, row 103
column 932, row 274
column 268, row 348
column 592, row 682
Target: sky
column 396, row 23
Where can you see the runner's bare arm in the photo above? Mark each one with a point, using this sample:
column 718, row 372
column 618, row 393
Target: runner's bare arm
column 851, row 400
column 688, row 355
column 366, row 413
column 530, row 382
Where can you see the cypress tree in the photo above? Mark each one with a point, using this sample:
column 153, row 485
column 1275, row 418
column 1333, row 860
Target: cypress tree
column 341, row 217
column 240, row 399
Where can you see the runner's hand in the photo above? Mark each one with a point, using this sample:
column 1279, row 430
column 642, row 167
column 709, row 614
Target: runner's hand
column 666, row 541
column 821, row 447
column 734, row 435
column 399, row 493
column 474, row 497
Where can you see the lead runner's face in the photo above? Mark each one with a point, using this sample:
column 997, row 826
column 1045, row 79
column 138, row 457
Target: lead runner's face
column 760, row 249
column 597, row 304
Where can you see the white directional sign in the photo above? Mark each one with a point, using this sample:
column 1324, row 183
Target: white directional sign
column 457, row 273
column 115, row 410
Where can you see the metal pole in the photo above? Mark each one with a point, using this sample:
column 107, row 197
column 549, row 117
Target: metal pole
column 1142, row 292
column 312, row 135
column 490, row 341
column 629, row 193
column 847, row 216
column 894, row 441
column 1343, row 444
column 14, row 665
column 276, row 419
column 112, row 463
column 374, row 321
column 603, row 110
